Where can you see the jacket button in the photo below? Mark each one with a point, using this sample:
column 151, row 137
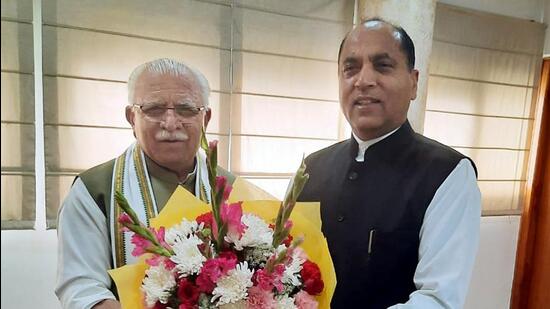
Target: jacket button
column 353, row 175
column 340, row 218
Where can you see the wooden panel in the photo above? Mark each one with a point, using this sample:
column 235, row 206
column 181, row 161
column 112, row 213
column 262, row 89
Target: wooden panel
column 532, row 270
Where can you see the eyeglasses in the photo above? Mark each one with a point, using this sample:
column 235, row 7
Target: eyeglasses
column 157, row 112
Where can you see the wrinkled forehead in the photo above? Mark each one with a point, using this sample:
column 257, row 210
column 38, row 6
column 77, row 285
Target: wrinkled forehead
column 166, row 87
column 169, row 98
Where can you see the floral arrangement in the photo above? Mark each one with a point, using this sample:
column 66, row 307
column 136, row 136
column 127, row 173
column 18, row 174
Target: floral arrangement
column 226, row 257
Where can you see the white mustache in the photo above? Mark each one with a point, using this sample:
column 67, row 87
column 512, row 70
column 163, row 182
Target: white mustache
column 176, row 136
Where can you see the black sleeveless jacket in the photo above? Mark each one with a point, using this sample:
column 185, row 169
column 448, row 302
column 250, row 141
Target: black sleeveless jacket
column 372, row 212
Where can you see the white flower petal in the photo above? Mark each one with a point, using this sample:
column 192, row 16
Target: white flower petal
column 157, row 284
column 256, row 233
column 234, row 286
column 188, row 257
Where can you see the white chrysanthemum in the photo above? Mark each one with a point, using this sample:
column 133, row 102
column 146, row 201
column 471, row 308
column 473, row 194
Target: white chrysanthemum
column 257, row 233
column 182, row 230
column 233, row 286
column 285, row 302
column 292, row 271
column 188, row 257
column 157, row 284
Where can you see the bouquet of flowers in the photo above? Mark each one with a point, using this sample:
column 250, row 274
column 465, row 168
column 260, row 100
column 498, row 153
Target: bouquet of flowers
column 227, row 254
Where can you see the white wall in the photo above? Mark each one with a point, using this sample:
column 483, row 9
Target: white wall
column 491, row 284
column 28, row 269
column 29, row 264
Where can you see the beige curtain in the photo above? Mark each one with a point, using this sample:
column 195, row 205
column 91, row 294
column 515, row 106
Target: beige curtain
column 271, row 65
column 483, row 76
column 18, row 176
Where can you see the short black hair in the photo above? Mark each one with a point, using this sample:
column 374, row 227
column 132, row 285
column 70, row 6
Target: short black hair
column 406, row 43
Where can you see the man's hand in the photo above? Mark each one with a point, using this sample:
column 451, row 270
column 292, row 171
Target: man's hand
column 107, row 304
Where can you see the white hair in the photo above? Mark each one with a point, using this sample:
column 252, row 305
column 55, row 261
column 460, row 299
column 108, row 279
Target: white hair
column 171, row 67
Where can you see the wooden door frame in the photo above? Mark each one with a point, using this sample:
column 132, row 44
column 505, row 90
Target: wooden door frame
column 534, row 219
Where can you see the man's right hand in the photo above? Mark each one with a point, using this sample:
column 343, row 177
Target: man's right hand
column 107, row 304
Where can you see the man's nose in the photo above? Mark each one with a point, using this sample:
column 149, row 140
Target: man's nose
column 171, row 121
column 366, row 78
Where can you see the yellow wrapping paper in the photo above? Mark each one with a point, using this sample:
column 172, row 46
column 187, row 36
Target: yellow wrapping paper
column 306, row 220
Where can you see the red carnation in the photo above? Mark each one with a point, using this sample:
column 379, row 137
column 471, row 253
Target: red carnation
column 205, row 218
column 311, row 276
column 188, row 293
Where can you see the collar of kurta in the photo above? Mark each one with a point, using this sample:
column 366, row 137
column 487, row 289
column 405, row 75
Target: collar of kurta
column 387, row 144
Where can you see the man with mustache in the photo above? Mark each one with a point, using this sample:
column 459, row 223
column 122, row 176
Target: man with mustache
column 401, row 212
column 168, row 109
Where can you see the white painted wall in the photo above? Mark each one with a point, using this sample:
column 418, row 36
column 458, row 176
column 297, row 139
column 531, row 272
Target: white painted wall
column 28, row 269
column 29, row 264
column 491, row 284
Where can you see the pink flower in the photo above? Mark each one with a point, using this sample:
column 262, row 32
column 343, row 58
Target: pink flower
column 303, row 300
column 141, row 245
column 154, row 260
column 159, row 235
column 223, row 186
column 124, row 218
column 267, row 281
column 260, row 299
column 213, row 269
column 288, row 224
column 231, row 215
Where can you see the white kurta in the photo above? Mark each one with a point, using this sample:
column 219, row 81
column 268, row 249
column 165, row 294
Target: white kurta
column 84, row 252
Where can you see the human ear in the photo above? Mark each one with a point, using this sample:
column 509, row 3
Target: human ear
column 130, row 115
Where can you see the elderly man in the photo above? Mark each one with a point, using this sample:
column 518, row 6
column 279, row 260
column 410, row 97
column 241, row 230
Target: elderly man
column 400, row 211
column 168, row 109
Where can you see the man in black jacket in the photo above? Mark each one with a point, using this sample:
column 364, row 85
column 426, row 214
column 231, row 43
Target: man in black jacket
column 400, row 211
